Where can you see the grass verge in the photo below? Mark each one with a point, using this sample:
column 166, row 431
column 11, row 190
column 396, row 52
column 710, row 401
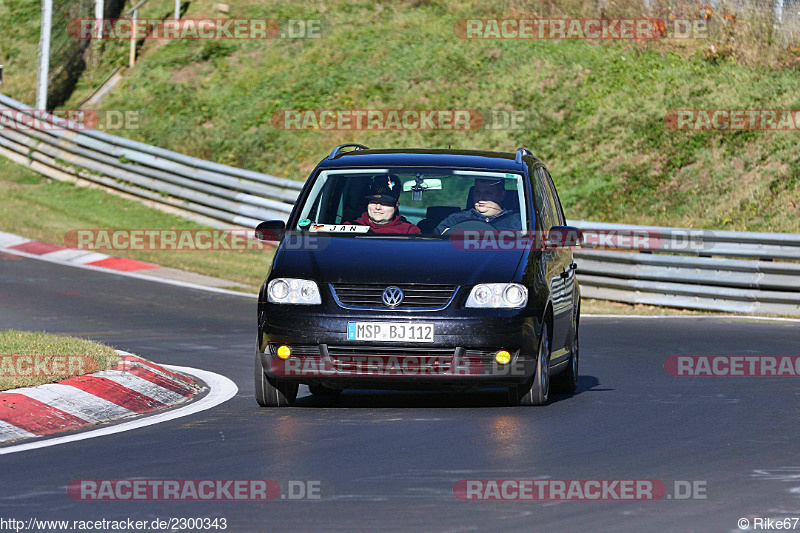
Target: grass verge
column 29, row 358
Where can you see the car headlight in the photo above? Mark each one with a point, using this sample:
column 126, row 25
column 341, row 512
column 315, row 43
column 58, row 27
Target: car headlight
column 293, row 291
column 503, row 295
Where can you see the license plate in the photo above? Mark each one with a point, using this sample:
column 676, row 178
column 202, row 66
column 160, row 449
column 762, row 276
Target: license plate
column 389, row 331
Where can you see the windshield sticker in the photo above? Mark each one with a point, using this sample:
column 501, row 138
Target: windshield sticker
column 339, row 228
column 305, row 222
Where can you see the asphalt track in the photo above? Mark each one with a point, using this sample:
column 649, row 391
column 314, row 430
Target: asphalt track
column 389, row 460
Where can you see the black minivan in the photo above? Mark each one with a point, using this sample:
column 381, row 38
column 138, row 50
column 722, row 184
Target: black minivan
column 419, row 269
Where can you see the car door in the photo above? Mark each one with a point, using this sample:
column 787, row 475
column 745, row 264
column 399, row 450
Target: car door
column 562, row 303
column 552, row 269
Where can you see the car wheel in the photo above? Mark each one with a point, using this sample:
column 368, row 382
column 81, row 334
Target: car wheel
column 536, row 391
column 567, row 381
column 323, row 390
column 272, row 392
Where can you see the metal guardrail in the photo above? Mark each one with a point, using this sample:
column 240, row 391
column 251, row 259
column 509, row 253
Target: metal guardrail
column 729, row 271
column 220, row 194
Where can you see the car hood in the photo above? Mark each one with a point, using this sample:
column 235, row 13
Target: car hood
column 393, row 260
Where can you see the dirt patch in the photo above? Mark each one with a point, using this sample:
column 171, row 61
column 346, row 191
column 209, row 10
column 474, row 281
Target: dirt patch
column 187, row 73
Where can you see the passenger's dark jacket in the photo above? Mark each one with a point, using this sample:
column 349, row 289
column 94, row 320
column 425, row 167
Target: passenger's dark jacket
column 505, row 219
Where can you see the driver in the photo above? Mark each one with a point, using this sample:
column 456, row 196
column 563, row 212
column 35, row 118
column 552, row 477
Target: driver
column 382, row 214
column 488, row 194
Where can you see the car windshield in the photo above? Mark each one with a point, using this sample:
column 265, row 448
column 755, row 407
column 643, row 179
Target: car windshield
column 413, row 201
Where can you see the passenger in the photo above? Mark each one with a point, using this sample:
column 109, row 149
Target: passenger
column 382, row 214
column 488, row 194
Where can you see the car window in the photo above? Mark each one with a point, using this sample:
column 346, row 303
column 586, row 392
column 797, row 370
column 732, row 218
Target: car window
column 543, row 208
column 555, row 203
column 426, row 196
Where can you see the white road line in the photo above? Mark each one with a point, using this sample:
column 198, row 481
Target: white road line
column 75, row 402
column 222, row 390
column 9, row 432
column 148, row 388
column 736, row 317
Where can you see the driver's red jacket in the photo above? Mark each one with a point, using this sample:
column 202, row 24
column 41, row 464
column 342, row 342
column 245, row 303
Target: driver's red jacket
column 397, row 225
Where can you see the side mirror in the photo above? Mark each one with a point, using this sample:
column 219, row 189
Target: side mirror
column 271, row 231
column 563, row 237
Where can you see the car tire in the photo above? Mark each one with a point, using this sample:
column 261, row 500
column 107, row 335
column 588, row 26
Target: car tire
column 323, row 390
column 536, row 390
column 567, row 381
column 272, row 392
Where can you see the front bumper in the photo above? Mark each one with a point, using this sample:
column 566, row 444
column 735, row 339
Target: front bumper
column 461, row 356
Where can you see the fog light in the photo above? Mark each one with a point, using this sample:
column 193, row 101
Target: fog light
column 284, row 352
column 503, row 357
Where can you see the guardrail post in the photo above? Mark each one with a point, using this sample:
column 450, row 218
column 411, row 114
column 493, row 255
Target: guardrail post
column 132, row 59
column 98, row 16
column 44, row 55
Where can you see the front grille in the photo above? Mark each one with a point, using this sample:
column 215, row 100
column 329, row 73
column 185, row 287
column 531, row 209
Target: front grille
column 415, row 296
column 388, row 359
column 389, row 351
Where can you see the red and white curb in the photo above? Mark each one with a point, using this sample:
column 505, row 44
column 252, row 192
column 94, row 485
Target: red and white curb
column 133, row 387
column 10, row 241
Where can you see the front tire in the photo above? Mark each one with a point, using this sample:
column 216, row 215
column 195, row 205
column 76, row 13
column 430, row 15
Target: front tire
column 272, row 392
column 537, row 390
column 567, row 381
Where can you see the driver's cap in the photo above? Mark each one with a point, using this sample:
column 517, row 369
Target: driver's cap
column 385, row 189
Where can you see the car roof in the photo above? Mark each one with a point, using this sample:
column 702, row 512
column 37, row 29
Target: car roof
column 428, row 158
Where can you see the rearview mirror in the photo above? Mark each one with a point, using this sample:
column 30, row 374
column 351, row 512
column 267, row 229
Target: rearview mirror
column 271, row 230
column 428, row 184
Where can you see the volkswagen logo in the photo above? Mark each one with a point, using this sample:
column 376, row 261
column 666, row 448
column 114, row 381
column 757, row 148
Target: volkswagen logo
column 392, row 296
